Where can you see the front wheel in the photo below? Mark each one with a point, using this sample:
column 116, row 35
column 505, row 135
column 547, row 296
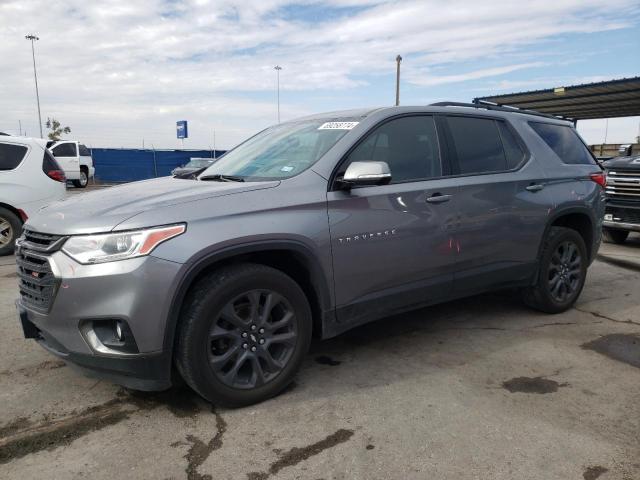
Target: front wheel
column 10, row 228
column 613, row 235
column 243, row 334
column 561, row 273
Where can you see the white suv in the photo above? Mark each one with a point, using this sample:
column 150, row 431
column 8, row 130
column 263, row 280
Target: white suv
column 75, row 159
column 30, row 178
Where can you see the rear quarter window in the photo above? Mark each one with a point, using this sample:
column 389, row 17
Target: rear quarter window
column 11, row 155
column 565, row 142
column 84, row 151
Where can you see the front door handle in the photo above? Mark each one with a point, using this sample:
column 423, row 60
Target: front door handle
column 535, row 187
column 438, row 198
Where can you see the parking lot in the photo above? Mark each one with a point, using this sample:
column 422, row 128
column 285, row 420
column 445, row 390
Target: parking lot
column 478, row 388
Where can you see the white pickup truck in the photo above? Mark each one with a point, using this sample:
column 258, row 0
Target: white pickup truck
column 75, row 159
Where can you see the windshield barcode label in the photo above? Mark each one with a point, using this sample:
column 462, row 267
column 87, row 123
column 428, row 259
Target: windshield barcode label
column 337, row 125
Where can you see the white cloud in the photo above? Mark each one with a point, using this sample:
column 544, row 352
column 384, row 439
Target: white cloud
column 118, row 71
column 423, row 79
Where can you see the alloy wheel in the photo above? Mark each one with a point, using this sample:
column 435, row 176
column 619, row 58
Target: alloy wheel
column 83, row 178
column 565, row 269
column 6, row 232
column 252, row 339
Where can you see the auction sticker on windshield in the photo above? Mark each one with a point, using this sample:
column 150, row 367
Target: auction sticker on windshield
column 337, row 125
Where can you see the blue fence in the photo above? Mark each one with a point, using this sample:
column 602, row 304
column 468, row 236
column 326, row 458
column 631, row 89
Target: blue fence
column 128, row 165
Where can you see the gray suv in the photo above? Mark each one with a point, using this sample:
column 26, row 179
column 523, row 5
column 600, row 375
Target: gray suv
column 309, row 228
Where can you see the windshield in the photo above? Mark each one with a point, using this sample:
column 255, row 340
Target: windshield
column 199, row 162
column 281, row 151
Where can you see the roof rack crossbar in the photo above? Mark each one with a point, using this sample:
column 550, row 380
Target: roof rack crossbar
column 493, row 106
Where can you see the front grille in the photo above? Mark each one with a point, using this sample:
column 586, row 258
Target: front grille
column 623, row 184
column 37, row 283
column 625, row 215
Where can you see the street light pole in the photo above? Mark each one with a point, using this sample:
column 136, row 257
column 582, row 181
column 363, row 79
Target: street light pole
column 277, row 68
column 398, row 60
column 33, row 38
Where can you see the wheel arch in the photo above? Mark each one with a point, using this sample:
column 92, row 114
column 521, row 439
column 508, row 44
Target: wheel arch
column 13, row 210
column 291, row 257
column 580, row 219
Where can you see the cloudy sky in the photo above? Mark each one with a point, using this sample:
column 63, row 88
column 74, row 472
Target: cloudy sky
column 121, row 72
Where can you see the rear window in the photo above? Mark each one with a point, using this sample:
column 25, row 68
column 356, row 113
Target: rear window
column 84, row 151
column 565, row 142
column 49, row 162
column 11, row 155
column 65, row 150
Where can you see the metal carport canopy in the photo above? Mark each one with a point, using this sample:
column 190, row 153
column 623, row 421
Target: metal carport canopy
column 613, row 98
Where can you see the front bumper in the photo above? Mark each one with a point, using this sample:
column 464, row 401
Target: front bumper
column 140, row 372
column 137, row 292
column 632, row 227
column 622, row 216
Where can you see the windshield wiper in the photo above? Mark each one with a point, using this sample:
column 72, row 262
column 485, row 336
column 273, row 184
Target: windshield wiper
column 218, row 177
column 190, row 175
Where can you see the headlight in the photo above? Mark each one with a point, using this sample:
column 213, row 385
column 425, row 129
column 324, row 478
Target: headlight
column 109, row 247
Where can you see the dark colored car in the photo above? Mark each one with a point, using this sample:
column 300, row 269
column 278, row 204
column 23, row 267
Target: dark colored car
column 622, row 213
column 192, row 166
column 309, row 228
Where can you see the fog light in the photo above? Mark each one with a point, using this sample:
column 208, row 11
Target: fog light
column 119, row 334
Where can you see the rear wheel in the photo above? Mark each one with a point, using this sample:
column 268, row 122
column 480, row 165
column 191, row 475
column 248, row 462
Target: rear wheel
column 561, row 273
column 10, row 228
column 243, row 334
column 84, row 179
column 613, row 235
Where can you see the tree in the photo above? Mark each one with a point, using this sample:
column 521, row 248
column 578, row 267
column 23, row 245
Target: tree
column 56, row 130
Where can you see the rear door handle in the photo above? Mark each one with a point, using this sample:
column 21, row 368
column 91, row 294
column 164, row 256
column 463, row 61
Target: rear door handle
column 535, row 187
column 438, row 198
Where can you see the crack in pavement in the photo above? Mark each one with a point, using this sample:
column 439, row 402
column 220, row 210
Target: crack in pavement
column 23, row 437
column 200, row 451
column 600, row 315
column 297, row 455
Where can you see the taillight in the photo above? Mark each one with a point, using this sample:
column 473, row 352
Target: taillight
column 599, row 178
column 57, row 175
column 51, row 167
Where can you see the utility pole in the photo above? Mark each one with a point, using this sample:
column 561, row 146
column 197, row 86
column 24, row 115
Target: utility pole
column 33, row 38
column 398, row 60
column 214, row 143
column 20, row 126
column 277, row 68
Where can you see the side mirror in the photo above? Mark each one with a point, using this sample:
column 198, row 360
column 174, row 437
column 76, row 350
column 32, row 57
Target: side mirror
column 367, row 173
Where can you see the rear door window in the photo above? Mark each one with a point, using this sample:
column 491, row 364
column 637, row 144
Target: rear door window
column 477, row 147
column 84, row 151
column 65, row 150
column 11, row 155
column 564, row 141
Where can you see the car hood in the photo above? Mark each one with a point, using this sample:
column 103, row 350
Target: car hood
column 103, row 210
column 628, row 163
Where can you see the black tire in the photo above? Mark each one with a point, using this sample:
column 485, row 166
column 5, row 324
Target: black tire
column 207, row 341
column 560, row 280
column 10, row 230
column 613, row 235
column 84, row 178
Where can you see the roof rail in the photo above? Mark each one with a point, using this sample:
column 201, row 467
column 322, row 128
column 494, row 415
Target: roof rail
column 493, row 106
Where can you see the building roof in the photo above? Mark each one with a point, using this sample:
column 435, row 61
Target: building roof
column 613, row 98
